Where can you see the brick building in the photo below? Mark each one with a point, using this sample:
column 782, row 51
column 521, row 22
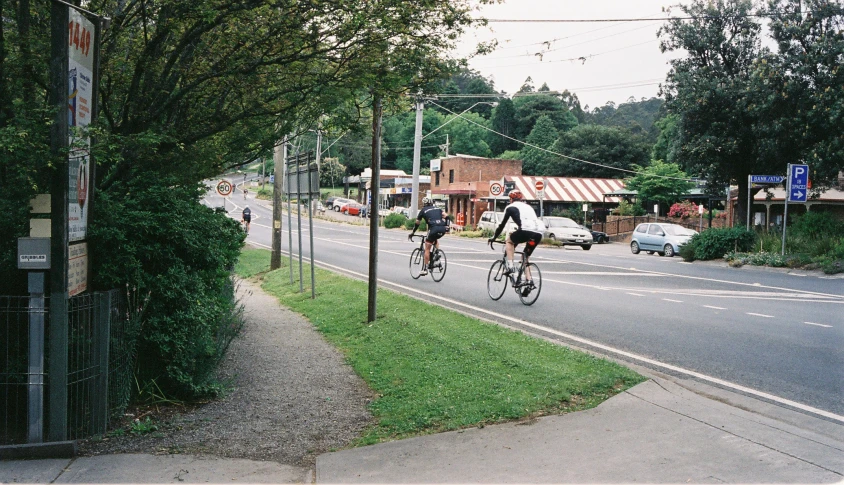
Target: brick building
column 465, row 179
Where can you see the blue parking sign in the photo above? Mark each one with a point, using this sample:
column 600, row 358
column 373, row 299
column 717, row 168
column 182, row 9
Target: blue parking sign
column 798, row 182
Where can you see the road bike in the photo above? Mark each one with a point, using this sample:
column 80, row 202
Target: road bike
column 526, row 279
column 437, row 261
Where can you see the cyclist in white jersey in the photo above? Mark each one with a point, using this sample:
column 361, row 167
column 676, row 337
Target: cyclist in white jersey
column 530, row 229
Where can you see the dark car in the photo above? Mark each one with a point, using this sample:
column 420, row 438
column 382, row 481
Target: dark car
column 598, row 236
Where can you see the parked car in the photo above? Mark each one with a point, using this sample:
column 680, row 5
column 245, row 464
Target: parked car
column 490, row 220
column 352, row 208
column 334, row 203
column 598, row 236
column 567, row 232
column 663, row 238
column 405, row 211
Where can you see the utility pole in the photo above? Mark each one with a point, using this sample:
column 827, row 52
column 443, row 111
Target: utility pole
column 373, row 226
column 279, row 156
column 417, row 155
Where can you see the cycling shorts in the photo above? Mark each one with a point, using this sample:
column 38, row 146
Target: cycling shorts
column 435, row 232
column 247, row 218
column 531, row 238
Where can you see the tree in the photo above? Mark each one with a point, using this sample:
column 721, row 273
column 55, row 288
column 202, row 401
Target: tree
column 607, row 152
column 806, row 103
column 666, row 147
column 467, row 137
column 712, row 91
column 659, row 182
column 530, row 107
column 503, row 121
column 543, row 135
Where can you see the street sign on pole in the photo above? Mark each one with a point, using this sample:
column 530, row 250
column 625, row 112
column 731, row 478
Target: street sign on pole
column 766, row 179
column 798, row 182
column 495, row 189
column 540, row 185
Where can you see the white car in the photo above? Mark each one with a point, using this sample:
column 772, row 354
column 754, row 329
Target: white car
column 567, row 232
column 490, row 220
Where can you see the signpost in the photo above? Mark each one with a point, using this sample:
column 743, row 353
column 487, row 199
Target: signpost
column 796, row 190
column 540, row 192
column 759, row 181
column 495, row 189
column 224, row 188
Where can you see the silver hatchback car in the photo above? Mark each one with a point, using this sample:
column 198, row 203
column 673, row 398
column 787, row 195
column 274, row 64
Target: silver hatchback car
column 663, row 238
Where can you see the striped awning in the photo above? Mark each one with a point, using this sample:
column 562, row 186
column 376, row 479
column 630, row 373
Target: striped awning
column 568, row 189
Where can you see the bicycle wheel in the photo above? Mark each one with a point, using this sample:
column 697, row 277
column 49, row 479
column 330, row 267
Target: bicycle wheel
column 529, row 294
column 438, row 271
column 416, row 263
column 496, row 281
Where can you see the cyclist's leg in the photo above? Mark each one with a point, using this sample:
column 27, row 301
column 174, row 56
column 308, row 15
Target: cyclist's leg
column 529, row 247
column 509, row 251
column 426, row 258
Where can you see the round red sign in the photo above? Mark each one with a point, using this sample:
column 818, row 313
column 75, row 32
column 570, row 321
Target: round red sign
column 540, row 185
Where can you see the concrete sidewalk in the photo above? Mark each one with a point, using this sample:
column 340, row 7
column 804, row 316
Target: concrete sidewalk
column 657, row 432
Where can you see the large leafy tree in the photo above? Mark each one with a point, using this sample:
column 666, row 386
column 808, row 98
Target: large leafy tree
column 542, row 136
column 503, row 122
column 659, row 182
column 805, row 79
column 597, row 151
column 467, row 135
column 530, row 107
column 712, row 91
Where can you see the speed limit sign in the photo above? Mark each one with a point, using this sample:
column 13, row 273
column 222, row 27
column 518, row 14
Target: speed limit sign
column 224, row 188
column 495, row 189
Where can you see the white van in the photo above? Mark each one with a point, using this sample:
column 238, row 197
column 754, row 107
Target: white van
column 490, row 220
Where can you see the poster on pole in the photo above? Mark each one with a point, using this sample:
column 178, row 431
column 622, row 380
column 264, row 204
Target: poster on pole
column 80, row 92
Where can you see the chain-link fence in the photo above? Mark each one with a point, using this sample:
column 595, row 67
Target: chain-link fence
column 101, row 356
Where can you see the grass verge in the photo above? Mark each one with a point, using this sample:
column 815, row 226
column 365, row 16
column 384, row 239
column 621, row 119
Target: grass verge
column 436, row 370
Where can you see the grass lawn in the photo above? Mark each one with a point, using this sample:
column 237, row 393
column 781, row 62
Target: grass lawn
column 434, row 369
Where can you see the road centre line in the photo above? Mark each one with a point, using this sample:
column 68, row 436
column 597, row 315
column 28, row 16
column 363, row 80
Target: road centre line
column 594, row 344
column 634, row 294
column 672, row 301
column 818, row 324
column 759, row 315
column 714, row 307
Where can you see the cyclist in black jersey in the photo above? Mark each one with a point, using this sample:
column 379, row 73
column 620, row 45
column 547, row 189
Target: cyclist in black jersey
column 246, row 218
column 437, row 220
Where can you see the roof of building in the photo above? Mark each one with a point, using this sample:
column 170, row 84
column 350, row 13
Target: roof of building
column 569, row 189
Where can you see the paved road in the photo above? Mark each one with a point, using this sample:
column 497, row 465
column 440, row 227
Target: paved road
column 772, row 334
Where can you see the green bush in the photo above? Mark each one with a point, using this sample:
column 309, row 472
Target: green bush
column 715, row 243
column 423, row 226
column 817, row 225
column 159, row 238
column 394, row 220
column 687, row 252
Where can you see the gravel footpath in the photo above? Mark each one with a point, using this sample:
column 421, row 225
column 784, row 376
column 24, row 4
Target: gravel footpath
column 292, row 397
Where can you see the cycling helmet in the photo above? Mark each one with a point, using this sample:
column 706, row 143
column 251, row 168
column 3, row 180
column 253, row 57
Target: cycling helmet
column 246, row 206
column 427, row 201
column 516, row 194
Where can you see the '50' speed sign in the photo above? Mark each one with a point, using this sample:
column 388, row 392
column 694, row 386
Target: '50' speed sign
column 224, row 188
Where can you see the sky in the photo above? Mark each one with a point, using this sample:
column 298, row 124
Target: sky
column 598, row 61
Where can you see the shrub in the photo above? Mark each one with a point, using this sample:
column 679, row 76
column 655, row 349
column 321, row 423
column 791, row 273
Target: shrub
column 159, row 238
column 687, row 252
column 817, row 225
column 408, row 224
column 627, row 209
column 715, row 243
column 394, row 220
column 683, row 209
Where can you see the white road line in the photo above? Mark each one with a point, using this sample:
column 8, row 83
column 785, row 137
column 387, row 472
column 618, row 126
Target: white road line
column 818, row 324
column 597, row 345
column 760, row 315
column 673, row 301
column 714, row 307
column 634, row 294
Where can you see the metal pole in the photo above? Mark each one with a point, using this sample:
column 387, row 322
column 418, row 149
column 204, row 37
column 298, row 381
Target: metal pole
column 58, row 363
column 289, row 221
column 299, row 217
column 279, row 155
column 747, row 226
column 373, row 227
column 35, row 414
column 417, row 155
column 785, row 211
column 311, row 218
